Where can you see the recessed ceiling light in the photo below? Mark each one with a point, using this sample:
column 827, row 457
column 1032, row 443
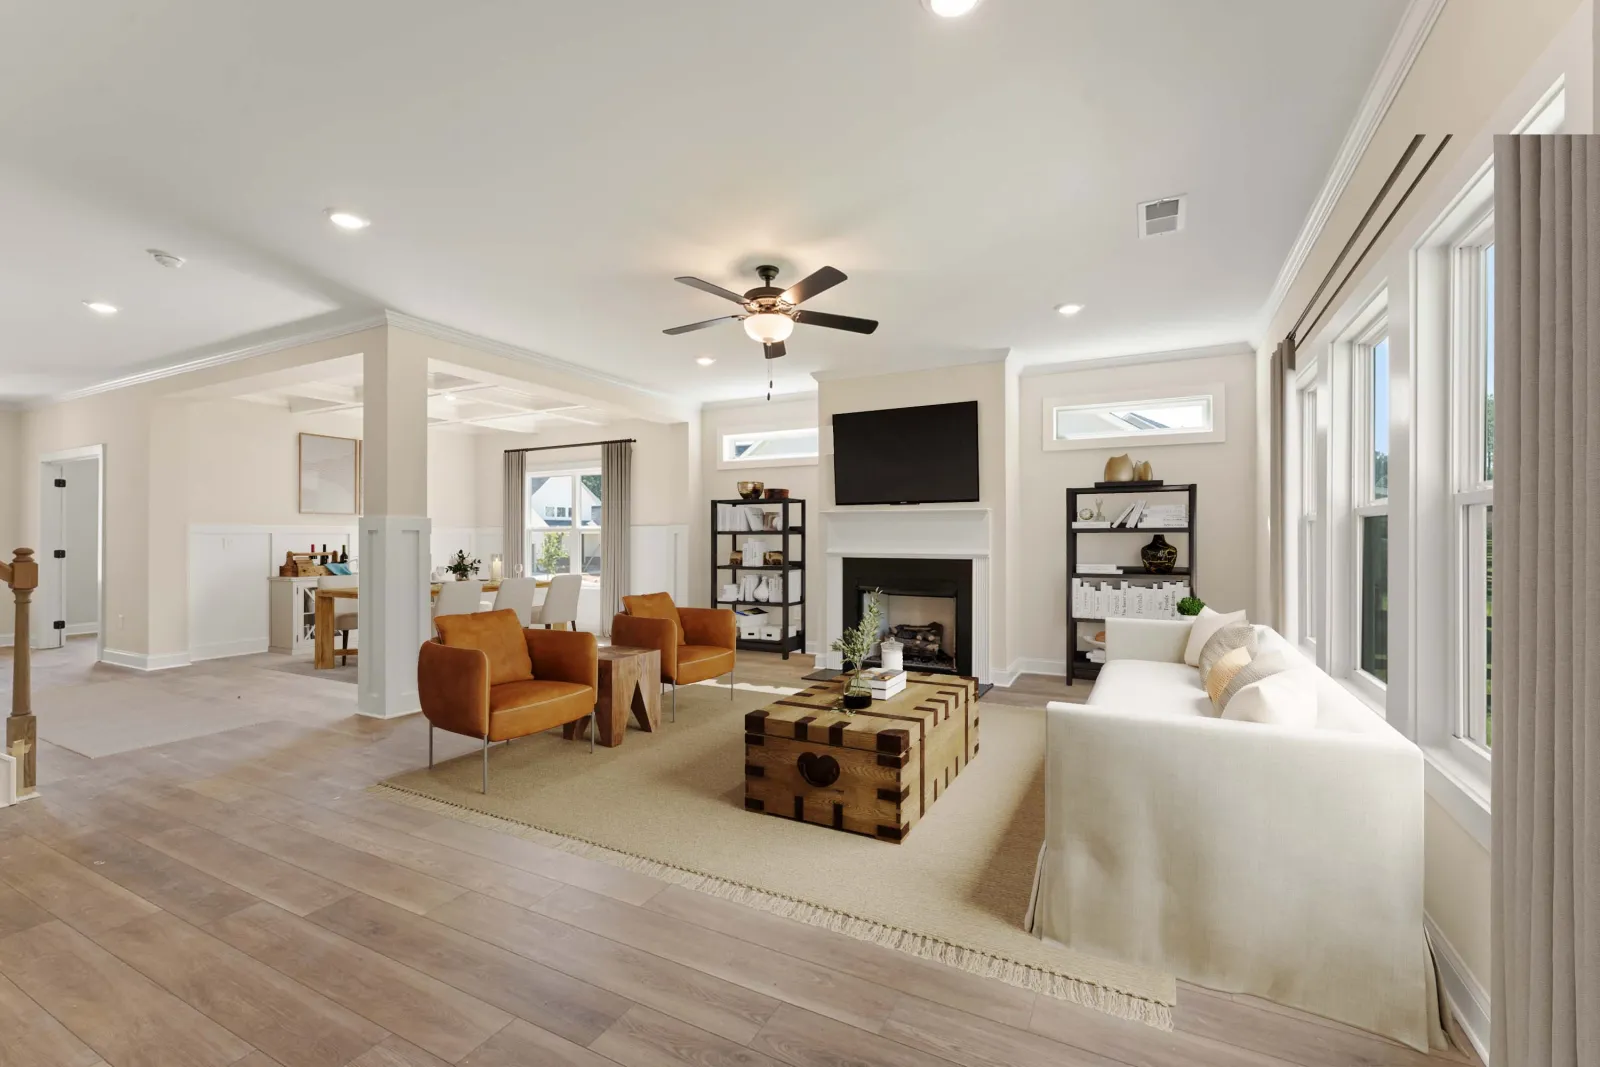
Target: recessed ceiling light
column 347, row 220
column 100, row 307
column 1069, row 309
column 705, row 361
column 951, row 8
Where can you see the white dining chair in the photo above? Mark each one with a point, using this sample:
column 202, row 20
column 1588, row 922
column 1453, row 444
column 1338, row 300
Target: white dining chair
column 561, row 601
column 458, row 598
column 346, row 616
column 517, row 594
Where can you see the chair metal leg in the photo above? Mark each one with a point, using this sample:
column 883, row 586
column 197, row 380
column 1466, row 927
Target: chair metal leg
column 730, row 684
column 485, row 766
column 674, row 700
column 430, row 744
column 594, row 728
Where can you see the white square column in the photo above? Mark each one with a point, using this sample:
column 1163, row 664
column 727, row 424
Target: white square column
column 395, row 553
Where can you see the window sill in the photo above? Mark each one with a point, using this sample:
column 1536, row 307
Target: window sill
column 766, row 464
column 1459, row 791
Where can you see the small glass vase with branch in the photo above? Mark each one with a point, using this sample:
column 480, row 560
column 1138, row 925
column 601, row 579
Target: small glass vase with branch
column 854, row 646
column 463, row 566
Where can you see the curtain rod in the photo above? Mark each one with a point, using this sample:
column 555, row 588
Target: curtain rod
column 1427, row 166
column 578, row 444
column 1372, row 209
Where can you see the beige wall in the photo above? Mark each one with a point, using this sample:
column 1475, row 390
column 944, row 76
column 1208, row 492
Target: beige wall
column 660, row 466
column 983, row 382
column 802, row 482
column 10, row 475
column 1224, row 471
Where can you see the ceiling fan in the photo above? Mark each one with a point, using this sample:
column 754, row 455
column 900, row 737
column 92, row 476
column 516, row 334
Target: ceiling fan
column 770, row 313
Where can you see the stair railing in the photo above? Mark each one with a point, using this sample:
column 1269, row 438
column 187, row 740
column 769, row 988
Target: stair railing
column 22, row 737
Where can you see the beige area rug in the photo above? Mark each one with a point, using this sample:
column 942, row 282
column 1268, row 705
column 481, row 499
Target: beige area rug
column 672, row 805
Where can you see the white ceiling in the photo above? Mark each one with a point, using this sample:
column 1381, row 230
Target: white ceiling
column 538, row 172
column 457, row 399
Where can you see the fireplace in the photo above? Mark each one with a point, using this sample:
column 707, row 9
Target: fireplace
column 927, row 606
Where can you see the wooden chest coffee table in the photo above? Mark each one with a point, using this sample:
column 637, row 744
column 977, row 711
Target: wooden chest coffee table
column 874, row 772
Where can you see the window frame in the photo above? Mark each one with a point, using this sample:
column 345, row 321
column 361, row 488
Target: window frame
column 1364, row 501
column 1310, row 524
column 574, row 532
column 1471, row 494
column 1215, row 392
column 724, row 462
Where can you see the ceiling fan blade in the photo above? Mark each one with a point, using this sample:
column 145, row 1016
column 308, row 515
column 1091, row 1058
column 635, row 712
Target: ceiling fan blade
column 707, row 287
column 810, row 286
column 835, row 322
column 693, row 326
column 775, row 350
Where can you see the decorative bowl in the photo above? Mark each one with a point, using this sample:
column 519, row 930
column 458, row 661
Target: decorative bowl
column 776, row 494
column 750, row 490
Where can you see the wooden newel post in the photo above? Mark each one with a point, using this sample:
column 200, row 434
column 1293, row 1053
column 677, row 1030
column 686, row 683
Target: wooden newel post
column 21, row 730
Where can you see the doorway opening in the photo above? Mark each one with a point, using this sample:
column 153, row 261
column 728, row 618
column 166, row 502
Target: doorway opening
column 70, row 601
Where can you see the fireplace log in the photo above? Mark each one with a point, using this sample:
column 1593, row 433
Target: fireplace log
column 925, row 641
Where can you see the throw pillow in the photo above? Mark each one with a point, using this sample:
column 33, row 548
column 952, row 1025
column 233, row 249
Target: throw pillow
column 498, row 635
column 1288, row 698
column 1225, row 640
column 1263, row 666
column 1205, row 624
column 1224, row 671
column 654, row 606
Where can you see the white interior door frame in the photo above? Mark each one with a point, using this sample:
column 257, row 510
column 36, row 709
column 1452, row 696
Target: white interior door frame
column 52, row 574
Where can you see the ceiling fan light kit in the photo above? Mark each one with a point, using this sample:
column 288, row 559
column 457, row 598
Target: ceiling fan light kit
column 771, row 314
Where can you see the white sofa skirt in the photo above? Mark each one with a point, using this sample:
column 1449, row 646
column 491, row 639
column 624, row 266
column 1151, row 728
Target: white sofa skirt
column 1238, row 856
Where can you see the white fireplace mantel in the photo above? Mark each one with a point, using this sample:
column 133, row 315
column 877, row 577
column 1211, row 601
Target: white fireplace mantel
column 920, row 532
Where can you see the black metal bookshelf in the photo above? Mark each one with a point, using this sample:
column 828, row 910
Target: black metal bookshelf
column 1078, row 664
column 790, row 525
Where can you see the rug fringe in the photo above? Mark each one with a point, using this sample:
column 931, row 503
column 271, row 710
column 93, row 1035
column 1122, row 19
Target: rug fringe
column 975, row 961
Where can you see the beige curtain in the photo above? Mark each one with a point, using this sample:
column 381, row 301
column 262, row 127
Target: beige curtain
column 1546, row 662
column 616, row 486
column 516, row 499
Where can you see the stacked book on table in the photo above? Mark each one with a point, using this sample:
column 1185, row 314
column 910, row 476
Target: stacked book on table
column 884, row 683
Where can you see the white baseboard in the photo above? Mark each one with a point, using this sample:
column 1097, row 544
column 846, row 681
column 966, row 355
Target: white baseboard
column 1003, row 677
column 1465, row 998
column 140, row 661
column 1057, row 667
column 82, row 629
column 222, row 650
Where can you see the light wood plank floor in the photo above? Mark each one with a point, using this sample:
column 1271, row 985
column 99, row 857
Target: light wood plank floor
column 238, row 899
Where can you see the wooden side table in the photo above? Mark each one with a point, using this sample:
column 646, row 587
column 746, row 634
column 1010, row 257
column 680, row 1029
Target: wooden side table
column 630, row 681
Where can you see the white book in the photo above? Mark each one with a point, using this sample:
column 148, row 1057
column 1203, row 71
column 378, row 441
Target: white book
column 1088, row 524
column 1122, row 517
column 1099, row 568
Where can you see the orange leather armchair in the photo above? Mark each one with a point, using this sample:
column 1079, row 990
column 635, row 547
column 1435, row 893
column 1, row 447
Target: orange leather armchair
column 487, row 677
column 695, row 643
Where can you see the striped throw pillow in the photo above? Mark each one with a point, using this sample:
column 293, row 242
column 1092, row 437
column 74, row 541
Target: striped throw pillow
column 1262, row 666
column 1232, row 636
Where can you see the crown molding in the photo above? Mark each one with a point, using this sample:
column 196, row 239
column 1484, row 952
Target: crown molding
column 440, row 332
column 1236, row 348
column 1415, row 25
column 217, row 359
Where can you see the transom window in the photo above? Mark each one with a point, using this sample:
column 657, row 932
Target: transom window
column 1153, row 416
column 758, row 448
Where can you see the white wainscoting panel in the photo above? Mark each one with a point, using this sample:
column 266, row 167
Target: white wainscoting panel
column 228, row 592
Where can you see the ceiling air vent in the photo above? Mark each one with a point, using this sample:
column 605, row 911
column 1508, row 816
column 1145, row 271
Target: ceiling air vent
column 1157, row 217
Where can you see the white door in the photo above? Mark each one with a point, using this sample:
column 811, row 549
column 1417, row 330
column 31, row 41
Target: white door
column 49, row 615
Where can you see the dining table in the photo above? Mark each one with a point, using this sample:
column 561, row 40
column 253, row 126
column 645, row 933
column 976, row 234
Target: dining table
column 327, row 605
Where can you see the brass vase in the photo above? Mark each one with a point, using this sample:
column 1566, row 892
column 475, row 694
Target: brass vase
column 1119, row 469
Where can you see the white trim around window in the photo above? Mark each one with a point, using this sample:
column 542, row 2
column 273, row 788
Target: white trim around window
column 797, row 446
column 1111, row 419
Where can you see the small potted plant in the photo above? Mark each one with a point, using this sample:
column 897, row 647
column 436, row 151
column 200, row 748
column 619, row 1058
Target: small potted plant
column 462, row 565
column 855, row 645
column 1191, row 605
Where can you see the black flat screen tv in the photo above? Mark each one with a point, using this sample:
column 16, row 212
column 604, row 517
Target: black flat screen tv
column 921, row 455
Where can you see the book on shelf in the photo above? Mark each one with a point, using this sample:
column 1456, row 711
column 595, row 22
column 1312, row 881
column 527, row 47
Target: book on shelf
column 1100, row 568
column 1106, row 600
column 1125, row 514
column 1091, row 524
column 1096, row 655
column 1164, row 516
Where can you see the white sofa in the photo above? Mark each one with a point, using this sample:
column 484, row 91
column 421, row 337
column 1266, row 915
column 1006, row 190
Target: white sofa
column 1249, row 858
